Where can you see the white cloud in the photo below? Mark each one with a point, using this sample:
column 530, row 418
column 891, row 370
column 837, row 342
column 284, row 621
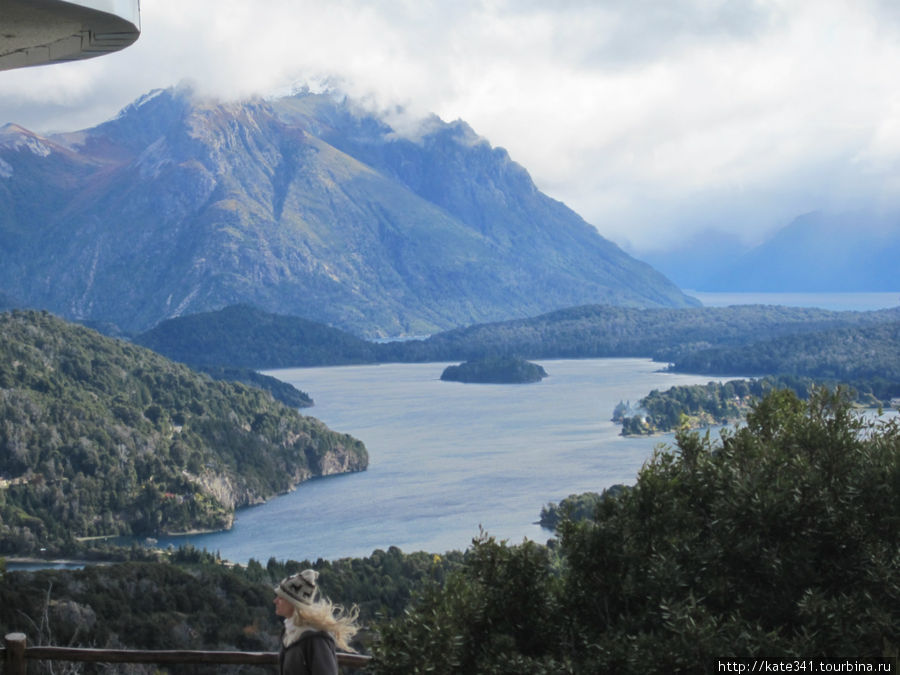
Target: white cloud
column 652, row 118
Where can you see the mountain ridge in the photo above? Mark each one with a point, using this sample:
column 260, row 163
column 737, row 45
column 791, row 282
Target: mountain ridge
column 301, row 205
column 816, row 252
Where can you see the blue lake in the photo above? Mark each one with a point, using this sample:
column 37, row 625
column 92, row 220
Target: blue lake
column 448, row 458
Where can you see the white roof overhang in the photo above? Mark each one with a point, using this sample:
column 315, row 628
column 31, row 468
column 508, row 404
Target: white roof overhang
column 36, row 32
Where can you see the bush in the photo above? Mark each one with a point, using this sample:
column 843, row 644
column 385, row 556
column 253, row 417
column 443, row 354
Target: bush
column 779, row 539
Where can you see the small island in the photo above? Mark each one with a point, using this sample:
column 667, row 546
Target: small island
column 496, row 370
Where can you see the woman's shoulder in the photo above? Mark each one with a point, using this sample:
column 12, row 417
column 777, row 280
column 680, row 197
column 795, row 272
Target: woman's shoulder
column 313, row 652
column 316, row 635
column 312, row 636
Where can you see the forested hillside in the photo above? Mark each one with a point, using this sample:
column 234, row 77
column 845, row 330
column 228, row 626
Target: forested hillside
column 241, row 335
column 600, row 331
column 777, row 540
column 859, row 349
column 193, row 601
column 102, row 437
column 282, row 391
column 246, row 336
column 862, row 354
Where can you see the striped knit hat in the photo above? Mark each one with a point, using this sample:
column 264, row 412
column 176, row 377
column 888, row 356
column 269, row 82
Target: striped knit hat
column 298, row 589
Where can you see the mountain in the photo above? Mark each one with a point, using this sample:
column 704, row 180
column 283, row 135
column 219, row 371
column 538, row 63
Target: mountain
column 693, row 261
column 302, row 205
column 816, row 252
column 819, row 252
column 102, row 437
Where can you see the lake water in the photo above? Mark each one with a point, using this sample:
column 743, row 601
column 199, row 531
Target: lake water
column 446, row 458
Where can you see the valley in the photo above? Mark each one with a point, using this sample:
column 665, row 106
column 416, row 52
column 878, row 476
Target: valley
column 180, row 280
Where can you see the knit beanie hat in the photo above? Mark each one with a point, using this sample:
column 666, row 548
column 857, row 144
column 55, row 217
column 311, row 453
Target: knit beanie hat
column 298, row 589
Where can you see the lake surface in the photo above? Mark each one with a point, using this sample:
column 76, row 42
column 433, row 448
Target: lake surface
column 446, row 458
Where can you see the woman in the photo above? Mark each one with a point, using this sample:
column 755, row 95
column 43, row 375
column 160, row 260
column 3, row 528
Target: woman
column 313, row 628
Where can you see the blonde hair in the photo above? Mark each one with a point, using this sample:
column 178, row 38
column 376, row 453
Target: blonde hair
column 323, row 615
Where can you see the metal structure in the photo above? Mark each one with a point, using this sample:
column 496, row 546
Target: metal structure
column 38, row 32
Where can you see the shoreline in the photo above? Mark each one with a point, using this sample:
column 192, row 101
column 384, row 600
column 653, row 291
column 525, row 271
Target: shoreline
column 189, row 533
column 32, row 560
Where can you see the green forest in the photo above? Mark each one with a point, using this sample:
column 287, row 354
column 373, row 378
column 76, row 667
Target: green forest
column 703, row 405
column 594, row 331
column 495, row 370
column 245, row 336
column 778, row 539
column 241, row 335
column 865, row 356
column 576, row 506
column 100, row 437
column 861, row 349
column 280, row 390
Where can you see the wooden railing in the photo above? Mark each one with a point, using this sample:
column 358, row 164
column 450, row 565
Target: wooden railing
column 17, row 653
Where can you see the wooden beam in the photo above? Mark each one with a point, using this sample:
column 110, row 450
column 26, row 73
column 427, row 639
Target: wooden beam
column 14, row 663
column 17, row 653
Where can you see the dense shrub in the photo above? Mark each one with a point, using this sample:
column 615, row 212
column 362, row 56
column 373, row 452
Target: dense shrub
column 779, row 539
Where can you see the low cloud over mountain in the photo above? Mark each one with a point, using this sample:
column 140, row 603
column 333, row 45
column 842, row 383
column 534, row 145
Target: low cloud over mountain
column 300, row 205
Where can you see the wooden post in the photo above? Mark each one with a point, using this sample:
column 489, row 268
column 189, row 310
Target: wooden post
column 15, row 654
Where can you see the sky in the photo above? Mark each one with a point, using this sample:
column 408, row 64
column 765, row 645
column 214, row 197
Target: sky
column 655, row 120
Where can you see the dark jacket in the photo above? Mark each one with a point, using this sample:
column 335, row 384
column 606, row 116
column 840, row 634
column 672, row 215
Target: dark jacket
column 313, row 653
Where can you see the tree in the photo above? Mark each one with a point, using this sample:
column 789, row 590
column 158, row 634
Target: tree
column 777, row 539
column 781, row 539
column 498, row 614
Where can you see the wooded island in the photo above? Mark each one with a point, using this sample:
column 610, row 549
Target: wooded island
column 500, row 370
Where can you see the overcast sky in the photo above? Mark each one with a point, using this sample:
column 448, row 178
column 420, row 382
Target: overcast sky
column 653, row 119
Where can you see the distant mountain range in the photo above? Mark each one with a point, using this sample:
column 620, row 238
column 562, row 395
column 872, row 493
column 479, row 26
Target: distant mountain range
column 816, row 252
column 302, row 205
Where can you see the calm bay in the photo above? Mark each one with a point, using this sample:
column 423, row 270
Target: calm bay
column 448, row 458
